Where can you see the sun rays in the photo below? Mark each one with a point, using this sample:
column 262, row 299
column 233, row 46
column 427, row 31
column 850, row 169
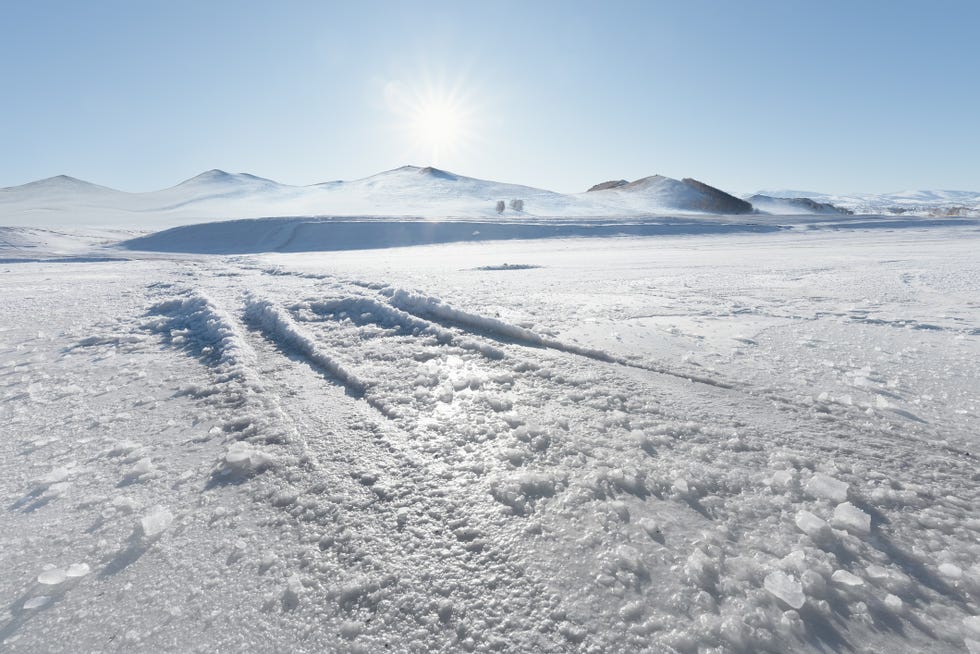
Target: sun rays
column 436, row 120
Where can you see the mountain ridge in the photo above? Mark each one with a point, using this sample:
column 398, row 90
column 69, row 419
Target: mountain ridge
column 421, row 192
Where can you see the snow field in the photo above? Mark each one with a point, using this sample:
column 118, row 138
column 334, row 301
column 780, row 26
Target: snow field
column 281, row 453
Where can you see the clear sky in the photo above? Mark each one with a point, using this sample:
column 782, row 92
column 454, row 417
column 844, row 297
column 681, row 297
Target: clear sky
column 831, row 96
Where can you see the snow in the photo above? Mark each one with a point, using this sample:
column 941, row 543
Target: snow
column 64, row 203
column 714, row 439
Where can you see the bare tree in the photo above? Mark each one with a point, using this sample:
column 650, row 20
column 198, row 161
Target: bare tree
column 501, row 206
column 517, row 205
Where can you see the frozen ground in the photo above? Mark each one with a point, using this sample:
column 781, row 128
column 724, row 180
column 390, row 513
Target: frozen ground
column 741, row 442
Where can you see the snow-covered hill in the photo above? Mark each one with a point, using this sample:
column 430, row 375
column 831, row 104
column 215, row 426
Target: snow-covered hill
column 795, row 206
column 921, row 203
column 411, row 191
column 658, row 193
column 406, row 191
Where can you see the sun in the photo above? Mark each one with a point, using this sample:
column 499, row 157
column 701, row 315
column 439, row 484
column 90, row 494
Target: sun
column 437, row 121
column 438, row 124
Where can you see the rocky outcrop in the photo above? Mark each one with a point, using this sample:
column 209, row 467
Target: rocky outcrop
column 717, row 201
column 616, row 183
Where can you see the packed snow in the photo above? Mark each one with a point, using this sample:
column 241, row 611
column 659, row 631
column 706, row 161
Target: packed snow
column 712, row 439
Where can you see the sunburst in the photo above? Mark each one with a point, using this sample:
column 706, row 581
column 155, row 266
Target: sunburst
column 437, row 121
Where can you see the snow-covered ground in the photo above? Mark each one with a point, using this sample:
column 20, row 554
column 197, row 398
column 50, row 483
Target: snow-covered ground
column 725, row 442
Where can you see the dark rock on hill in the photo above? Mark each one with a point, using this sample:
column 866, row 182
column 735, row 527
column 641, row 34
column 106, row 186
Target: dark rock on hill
column 616, row 183
column 717, row 201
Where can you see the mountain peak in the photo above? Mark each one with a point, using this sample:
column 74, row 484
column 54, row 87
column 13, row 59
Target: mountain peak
column 60, row 183
column 63, row 180
column 218, row 176
column 209, row 175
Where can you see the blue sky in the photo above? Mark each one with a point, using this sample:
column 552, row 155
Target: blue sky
column 826, row 96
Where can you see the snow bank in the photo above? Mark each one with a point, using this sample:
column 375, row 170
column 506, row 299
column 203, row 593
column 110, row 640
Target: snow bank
column 315, row 234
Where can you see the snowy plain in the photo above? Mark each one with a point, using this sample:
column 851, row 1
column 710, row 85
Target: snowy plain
column 718, row 440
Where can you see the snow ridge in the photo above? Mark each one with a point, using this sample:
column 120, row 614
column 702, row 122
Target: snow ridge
column 197, row 323
column 279, row 327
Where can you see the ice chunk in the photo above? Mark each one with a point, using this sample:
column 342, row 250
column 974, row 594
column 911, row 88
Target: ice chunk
column 825, row 487
column 155, row 522
column 36, row 602
column 950, row 571
column 893, row 602
column 244, row 458
column 652, row 528
column 76, row 570
column 291, row 594
column 845, row 578
column 52, row 577
column 632, row 612
column 812, row 525
column 785, row 588
column 680, row 485
column 782, row 479
column 795, row 560
column 702, row 569
column 142, row 468
column 849, row 517
column 57, row 475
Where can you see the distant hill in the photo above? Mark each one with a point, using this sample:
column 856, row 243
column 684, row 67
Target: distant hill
column 798, row 205
column 914, row 203
column 660, row 193
column 423, row 192
column 408, row 191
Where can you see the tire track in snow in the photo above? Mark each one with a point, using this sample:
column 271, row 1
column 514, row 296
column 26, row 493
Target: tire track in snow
column 424, row 306
column 194, row 323
column 435, row 309
column 681, row 455
column 361, row 307
column 454, row 532
column 279, row 327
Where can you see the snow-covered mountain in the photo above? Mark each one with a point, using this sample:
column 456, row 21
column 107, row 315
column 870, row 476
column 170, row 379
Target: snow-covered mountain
column 409, row 191
column 921, row 202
